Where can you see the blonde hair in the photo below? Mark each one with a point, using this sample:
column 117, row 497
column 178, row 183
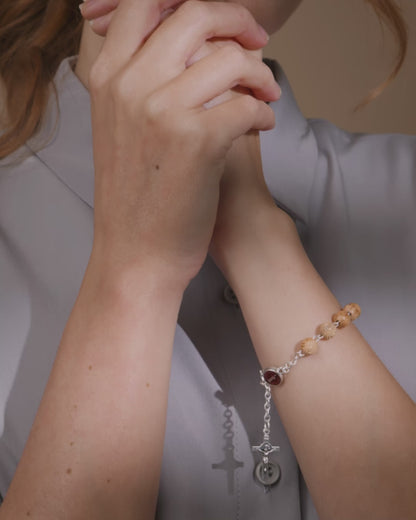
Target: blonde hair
column 36, row 35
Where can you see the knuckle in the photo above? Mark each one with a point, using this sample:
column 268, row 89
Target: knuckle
column 188, row 129
column 216, row 143
column 271, row 115
column 155, row 109
column 195, row 10
column 189, row 134
column 234, row 55
column 266, row 109
column 249, row 104
column 98, row 76
column 242, row 15
column 121, row 88
column 266, row 75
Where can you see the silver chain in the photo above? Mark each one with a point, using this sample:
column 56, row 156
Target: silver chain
column 269, row 473
column 267, row 417
column 285, row 369
column 282, row 370
column 267, row 407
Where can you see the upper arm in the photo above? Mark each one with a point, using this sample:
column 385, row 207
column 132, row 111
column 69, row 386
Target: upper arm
column 315, row 170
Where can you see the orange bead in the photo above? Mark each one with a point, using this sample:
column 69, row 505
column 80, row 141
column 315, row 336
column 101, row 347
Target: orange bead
column 353, row 309
column 342, row 318
column 309, row 346
column 327, row 330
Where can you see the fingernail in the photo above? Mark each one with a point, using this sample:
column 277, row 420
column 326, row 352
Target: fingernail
column 84, row 7
column 264, row 32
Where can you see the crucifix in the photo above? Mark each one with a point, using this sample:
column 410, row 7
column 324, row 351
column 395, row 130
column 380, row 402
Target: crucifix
column 266, row 473
column 229, row 464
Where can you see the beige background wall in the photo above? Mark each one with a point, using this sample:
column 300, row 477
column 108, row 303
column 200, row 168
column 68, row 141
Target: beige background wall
column 334, row 52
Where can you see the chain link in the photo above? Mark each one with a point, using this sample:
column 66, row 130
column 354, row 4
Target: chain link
column 267, row 417
column 267, row 407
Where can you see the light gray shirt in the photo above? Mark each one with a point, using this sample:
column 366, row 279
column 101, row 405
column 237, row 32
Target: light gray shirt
column 354, row 201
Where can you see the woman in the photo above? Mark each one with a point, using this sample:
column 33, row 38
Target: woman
column 175, row 176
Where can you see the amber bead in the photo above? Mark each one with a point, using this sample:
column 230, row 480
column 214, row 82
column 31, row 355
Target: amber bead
column 309, row 346
column 354, row 310
column 342, row 318
column 327, row 330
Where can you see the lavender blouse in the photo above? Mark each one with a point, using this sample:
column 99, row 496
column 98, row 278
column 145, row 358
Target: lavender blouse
column 353, row 197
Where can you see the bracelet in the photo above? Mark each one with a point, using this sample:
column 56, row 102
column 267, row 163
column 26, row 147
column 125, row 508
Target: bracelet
column 268, row 473
column 308, row 346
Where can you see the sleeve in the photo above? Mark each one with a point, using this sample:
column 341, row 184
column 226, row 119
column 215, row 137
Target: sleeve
column 15, row 319
column 355, row 198
column 289, row 152
column 313, row 168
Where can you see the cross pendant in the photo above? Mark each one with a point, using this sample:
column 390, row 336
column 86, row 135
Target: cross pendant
column 265, row 448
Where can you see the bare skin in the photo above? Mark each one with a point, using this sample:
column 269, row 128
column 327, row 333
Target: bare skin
column 134, row 282
column 131, row 299
column 270, row 14
column 259, row 252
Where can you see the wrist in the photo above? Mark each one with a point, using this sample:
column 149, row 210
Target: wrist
column 117, row 283
column 268, row 233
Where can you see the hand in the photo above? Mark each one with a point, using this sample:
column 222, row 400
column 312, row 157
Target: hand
column 244, row 194
column 159, row 148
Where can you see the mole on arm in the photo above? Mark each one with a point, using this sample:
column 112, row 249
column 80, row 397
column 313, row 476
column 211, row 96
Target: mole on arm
column 71, row 443
column 108, row 480
column 90, row 367
column 157, row 167
column 147, row 385
column 69, row 471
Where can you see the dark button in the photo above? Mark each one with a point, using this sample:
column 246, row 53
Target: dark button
column 230, row 297
column 267, row 474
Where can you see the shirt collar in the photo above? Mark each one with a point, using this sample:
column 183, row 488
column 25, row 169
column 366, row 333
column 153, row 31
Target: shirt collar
column 66, row 130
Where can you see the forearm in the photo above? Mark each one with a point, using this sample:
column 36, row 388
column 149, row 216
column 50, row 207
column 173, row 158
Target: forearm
column 350, row 423
column 96, row 444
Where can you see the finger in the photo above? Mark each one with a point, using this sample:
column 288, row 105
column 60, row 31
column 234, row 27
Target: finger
column 127, row 32
column 222, row 70
column 97, row 8
column 237, row 117
column 195, row 22
column 216, row 43
column 131, row 24
column 100, row 25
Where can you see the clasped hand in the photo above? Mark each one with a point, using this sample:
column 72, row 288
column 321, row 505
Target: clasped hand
column 178, row 97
